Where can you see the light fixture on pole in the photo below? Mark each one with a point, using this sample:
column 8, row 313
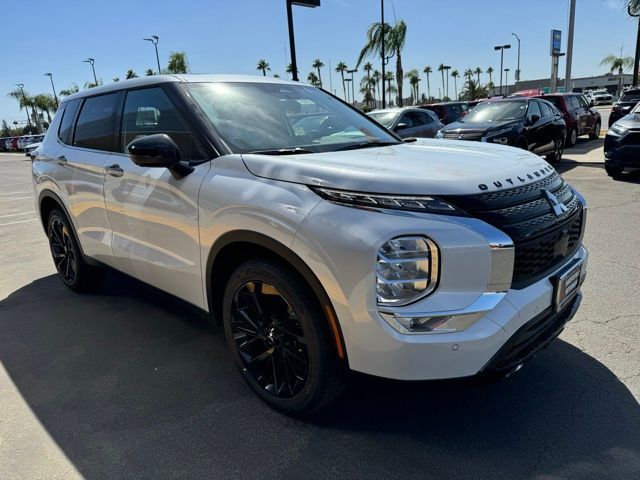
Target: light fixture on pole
column 93, row 69
column 353, row 92
column 348, row 80
column 518, row 67
column 50, row 75
column 292, row 40
column 154, row 40
column 502, row 48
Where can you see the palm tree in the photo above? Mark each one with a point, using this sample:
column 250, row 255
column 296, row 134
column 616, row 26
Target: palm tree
column 289, row 69
column 414, row 77
column 490, row 72
column 341, row 68
column 178, row 63
column 376, row 76
column 618, row 63
column 313, row 79
column 394, row 40
column 388, row 77
column 441, row 69
column 263, row 65
column 468, row 73
column 276, row 75
column 473, row 90
column 317, row 64
column 367, row 68
column 428, row 71
column 478, row 71
column 69, row 91
column 131, row 74
column 116, row 79
column 149, row 72
column 46, row 103
column 455, row 74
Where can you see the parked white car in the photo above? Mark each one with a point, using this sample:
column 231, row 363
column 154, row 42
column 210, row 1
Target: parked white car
column 324, row 248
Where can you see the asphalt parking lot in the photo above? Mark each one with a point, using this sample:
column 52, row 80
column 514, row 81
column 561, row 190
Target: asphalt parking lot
column 127, row 383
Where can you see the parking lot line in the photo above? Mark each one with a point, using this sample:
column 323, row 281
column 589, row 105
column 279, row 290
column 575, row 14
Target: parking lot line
column 19, row 221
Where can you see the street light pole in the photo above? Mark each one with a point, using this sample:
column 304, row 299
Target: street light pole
column 154, row 39
column 92, row 61
column 24, row 101
column 348, row 80
column 447, row 68
column 637, row 58
column 567, row 74
column 506, row 78
column 50, row 75
column 518, row 67
column 292, row 43
column 382, row 51
column 353, row 91
column 502, row 49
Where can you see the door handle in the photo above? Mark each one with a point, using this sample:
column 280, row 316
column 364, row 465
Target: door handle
column 61, row 160
column 115, row 170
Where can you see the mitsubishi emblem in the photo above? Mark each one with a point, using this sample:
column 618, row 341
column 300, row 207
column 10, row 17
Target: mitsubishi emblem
column 558, row 207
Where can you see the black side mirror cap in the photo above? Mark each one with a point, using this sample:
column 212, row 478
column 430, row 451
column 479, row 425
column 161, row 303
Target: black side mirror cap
column 400, row 126
column 533, row 119
column 158, row 150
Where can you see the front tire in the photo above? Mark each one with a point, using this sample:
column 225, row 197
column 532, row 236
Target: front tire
column 280, row 337
column 74, row 272
column 556, row 155
column 613, row 172
column 596, row 132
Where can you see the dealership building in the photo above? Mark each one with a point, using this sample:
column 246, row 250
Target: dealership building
column 609, row 82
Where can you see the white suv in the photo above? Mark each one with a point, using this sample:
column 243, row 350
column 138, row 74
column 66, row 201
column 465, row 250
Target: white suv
column 322, row 241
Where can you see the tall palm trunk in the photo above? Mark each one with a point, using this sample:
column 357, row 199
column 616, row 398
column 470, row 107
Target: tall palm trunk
column 319, row 77
column 428, row 89
column 344, row 87
column 399, row 76
column 388, row 88
column 443, row 90
column 455, row 85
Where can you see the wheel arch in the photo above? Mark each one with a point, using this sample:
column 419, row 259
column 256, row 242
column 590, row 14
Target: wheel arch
column 47, row 202
column 238, row 246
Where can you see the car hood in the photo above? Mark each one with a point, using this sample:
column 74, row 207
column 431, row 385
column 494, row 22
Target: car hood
column 425, row 167
column 630, row 121
column 479, row 127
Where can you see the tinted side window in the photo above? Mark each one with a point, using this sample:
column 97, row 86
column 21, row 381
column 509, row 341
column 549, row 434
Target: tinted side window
column 95, row 125
column 150, row 111
column 545, row 109
column 583, row 102
column 573, row 102
column 418, row 118
column 65, row 132
column 406, row 119
column 534, row 109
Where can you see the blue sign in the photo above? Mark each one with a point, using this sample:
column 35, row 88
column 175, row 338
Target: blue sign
column 556, row 42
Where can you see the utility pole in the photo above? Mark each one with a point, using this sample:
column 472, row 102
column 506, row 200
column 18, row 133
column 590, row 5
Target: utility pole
column 382, row 52
column 154, row 39
column 92, row 61
column 637, row 58
column 506, row 79
column 292, row 40
column 572, row 17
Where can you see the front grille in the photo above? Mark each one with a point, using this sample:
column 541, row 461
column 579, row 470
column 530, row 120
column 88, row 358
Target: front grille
column 462, row 136
column 541, row 239
column 632, row 138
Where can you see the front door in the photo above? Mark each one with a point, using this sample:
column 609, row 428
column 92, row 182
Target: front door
column 153, row 213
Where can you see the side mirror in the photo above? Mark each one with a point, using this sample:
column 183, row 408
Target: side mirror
column 400, row 126
column 533, row 119
column 158, row 150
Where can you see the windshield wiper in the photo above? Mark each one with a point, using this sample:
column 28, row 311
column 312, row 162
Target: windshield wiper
column 374, row 143
column 283, row 151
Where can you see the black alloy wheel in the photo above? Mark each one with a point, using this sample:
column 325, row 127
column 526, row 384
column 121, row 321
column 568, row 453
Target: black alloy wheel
column 556, row 154
column 572, row 138
column 62, row 250
column 270, row 339
column 596, row 131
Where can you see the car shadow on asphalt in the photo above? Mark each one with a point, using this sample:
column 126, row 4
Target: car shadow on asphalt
column 584, row 145
column 131, row 383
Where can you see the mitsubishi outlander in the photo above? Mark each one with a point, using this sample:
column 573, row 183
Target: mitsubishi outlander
column 320, row 240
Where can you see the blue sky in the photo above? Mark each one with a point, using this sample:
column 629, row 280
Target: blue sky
column 229, row 36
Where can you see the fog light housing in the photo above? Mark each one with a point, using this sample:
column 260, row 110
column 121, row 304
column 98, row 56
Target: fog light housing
column 407, row 269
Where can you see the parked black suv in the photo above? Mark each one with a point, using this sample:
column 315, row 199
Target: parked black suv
column 624, row 105
column 447, row 112
column 622, row 144
column 528, row 123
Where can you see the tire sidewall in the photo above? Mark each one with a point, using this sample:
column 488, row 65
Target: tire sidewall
column 255, row 271
column 57, row 214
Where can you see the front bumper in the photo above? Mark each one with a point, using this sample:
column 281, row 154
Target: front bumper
column 623, row 150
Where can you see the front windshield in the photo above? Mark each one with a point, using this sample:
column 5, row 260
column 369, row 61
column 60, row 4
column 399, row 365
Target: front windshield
column 496, row 112
column 631, row 96
column 383, row 118
column 254, row 117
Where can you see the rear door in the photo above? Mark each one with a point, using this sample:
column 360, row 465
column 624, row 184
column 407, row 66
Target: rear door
column 153, row 213
column 423, row 125
column 546, row 128
column 533, row 128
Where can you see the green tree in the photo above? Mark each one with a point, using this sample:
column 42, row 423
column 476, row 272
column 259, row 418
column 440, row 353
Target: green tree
column 178, row 63
column 618, row 63
column 263, row 66
column 341, row 68
column 468, row 73
column 478, row 71
column 69, row 91
column 473, row 90
column 391, row 89
column 455, row 74
column 149, row 72
column 428, row 70
column 490, row 72
column 376, row 76
column 441, row 69
column 313, row 79
column 414, row 78
column 5, row 131
column 131, row 74
column 289, row 69
column 317, row 64
column 25, row 101
column 46, row 103
column 367, row 68
column 394, row 40
column 116, row 79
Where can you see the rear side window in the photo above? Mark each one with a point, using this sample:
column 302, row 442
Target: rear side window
column 545, row 109
column 573, row 102
column 95, row 126
column 65, row 132
column 534, row 109
column 149, row 111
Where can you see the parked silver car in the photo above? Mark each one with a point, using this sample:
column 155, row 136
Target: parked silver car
column 321, row 245
column 408, row 121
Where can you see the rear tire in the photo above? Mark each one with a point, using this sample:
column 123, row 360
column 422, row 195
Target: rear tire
column 572, row 138
column 556, row 155
column 613, row 172
column 280, row 337
column 596, row 131
column 74, row 272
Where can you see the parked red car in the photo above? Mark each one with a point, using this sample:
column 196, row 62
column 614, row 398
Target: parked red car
column 580, row 118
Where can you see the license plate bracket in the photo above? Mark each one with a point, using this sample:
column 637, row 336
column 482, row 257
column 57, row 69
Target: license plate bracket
column 567, row 285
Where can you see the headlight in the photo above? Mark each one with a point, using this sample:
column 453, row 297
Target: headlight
column 396, row 202
column 498, row 136
column 617, row 129
column 407, row 269
column 439, row 134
